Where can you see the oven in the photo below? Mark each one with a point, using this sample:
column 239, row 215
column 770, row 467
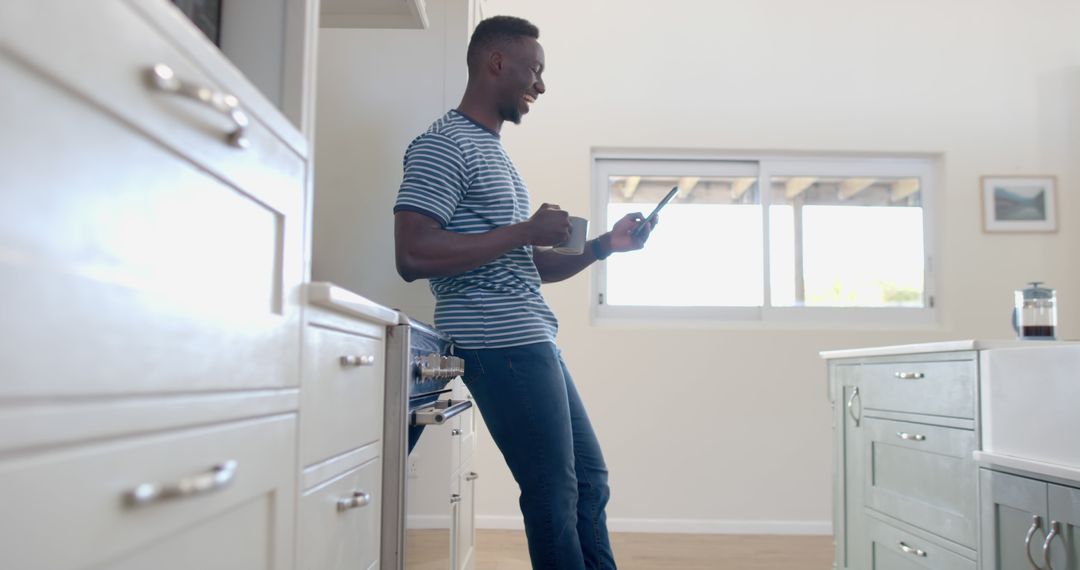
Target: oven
column 416, row 451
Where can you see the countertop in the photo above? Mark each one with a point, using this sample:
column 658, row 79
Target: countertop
column 1063, row 473
column 330, row 296
column 945, row 346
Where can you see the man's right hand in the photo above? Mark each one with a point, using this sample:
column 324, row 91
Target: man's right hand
column 549, row 226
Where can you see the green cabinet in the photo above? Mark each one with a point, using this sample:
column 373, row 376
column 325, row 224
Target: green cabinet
column 1028, row 523
column 905, row 485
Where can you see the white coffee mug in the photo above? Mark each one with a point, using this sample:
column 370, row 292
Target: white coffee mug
column 575, row 244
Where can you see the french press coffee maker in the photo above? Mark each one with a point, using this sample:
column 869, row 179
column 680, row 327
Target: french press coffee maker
column 1035, row 312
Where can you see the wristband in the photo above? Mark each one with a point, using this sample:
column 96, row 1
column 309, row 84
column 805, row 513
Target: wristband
column 597, row 250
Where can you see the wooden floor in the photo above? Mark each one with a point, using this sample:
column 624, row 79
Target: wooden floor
column 506, row 550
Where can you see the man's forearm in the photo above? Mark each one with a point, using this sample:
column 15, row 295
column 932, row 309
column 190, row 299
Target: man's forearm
column 434, row 252
column 557, row 267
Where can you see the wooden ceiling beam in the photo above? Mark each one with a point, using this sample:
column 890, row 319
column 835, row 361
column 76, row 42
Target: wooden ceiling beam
column 686, row 184
column 739, row 186
column 797, row 185
column 903, row 188
column 852, row 186
column 630, row 186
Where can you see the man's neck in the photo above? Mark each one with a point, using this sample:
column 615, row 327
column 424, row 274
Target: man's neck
column 480, row 110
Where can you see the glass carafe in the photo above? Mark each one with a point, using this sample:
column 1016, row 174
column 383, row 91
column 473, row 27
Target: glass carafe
column 1035, row 312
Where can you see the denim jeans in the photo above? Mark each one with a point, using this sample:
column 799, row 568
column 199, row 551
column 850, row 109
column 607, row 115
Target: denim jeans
column 532, row 409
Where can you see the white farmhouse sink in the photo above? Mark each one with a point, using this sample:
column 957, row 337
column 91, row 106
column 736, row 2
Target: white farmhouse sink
column 1030, row 403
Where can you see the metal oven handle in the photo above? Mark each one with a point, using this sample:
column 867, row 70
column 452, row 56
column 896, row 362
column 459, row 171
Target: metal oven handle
column 440, row 412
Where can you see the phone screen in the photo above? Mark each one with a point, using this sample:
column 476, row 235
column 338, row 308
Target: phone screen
column 652, row 215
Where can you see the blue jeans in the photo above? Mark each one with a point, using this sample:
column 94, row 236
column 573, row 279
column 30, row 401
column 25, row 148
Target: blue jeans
column 533, row 411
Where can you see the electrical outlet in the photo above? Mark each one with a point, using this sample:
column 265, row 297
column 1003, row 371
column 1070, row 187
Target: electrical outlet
column 411, row 473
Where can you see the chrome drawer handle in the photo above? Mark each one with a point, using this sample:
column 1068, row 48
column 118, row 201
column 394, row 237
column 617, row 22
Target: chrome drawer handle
column 218, row 477
column 911, row 436
column 162, row 78
column 1055, row 529
column 358, row 499
column 357, row 360
column 912, row 551
column 472, row 476
column 909, row 375
column 1036, row 524
column 455, row 498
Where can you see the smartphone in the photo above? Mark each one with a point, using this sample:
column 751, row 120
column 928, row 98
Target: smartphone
column 636, row 232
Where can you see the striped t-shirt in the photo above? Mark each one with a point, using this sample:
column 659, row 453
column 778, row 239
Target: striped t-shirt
column 459, row 174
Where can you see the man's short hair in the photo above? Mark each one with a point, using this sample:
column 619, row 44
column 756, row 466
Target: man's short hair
column 496, row 31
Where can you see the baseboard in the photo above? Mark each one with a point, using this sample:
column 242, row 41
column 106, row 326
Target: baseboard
column 681, row 526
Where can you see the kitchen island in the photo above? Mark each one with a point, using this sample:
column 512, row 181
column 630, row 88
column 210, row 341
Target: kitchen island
column 909, row 423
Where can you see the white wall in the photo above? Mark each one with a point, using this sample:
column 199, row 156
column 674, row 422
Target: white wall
column 729, row 429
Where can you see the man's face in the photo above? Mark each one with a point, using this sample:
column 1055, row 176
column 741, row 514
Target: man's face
column 520, row 82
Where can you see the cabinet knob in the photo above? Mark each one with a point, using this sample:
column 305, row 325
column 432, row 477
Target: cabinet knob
column 357, row 360
column 455, row 431
column 358, row 499
column 455, row 498
column 472, row 476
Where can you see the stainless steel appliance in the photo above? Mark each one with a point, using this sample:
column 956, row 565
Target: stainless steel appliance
column 418, row 368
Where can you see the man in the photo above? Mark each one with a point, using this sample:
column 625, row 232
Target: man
column 462, row 221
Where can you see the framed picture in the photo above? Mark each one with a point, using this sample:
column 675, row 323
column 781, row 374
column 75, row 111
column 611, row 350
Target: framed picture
column 1019, row 203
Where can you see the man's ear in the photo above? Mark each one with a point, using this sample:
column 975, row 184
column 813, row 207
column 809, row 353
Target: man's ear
column 495, row 62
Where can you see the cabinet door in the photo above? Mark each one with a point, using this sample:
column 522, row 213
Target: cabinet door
column 1064, row 509
column 139, row 251
column 852, row 550
column 1014, row 521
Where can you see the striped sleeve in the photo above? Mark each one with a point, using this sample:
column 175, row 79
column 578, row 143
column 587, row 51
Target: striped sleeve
column 434, row 181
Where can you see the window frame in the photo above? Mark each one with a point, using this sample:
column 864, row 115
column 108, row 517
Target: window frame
column 607, row 162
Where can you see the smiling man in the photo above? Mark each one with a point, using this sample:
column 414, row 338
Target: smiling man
column 462, row 220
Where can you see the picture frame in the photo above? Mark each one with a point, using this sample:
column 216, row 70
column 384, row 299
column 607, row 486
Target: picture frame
column 1019, row 203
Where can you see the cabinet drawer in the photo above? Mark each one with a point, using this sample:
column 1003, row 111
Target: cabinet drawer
column 894, row 549
column 945, row 388
column 334, row 537
column 342, row 396
column 128, row 268
column 923, row 475
column 114, row 56
column 79, row 499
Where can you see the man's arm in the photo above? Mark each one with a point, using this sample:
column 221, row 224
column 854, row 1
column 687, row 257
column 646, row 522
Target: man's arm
column 557, row 267
column 423, row 249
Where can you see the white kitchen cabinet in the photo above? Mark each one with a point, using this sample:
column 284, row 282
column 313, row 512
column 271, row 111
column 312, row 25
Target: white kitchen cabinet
column 151, row 259
column 217, row 497
column 341, row 423
column 342, row 386
column 143, row 252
